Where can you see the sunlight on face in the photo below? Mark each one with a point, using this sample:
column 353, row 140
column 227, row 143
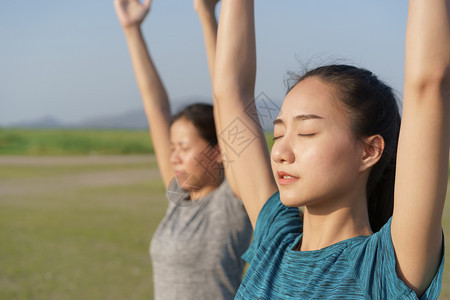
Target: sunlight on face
column 315, row 157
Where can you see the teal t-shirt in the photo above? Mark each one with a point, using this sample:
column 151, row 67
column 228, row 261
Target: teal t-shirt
column 362, row 267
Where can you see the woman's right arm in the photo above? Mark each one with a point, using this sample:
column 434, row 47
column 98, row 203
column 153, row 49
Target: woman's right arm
column 131, row 13
column 234, row 84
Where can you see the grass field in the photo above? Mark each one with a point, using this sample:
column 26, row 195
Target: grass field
column 80, row 227
column 62, row 142
column 73, row 142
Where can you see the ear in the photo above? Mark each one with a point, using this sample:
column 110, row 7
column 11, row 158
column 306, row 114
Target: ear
column 373, row 149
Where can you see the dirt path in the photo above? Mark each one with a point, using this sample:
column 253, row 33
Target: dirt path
column 6, row 160
column 67, row 181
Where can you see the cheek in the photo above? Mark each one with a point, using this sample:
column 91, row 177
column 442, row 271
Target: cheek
column 191, row 160
column 274, row 166
column 185, row 158
column 334, row 158
column 198, row 160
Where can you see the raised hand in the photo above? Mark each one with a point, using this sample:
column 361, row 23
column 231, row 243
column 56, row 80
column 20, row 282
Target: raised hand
column 131, row 12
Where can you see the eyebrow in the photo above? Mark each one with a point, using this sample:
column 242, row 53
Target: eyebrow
column 299, row 118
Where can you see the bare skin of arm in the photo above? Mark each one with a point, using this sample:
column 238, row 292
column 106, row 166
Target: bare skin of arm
column 234, row 84
column 131, row 13
column 422, row 162
column 206, row 13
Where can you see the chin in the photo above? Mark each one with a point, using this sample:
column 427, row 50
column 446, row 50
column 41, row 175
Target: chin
column 291, row 199
column 188, row 181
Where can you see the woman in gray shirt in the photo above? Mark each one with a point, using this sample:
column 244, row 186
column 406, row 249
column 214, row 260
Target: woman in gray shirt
column 196, row 250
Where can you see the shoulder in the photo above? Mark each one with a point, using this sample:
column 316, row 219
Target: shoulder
column 225, row 201
column 276, row 225
column 223, row 196
column 224, row 190
column 373, row 262
column 276, row 218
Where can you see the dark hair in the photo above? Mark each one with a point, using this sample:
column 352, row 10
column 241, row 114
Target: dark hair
column 202, row 117
column 373, row 109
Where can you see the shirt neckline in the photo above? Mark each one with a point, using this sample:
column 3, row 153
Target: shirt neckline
column 324, row 252
column 202, row 201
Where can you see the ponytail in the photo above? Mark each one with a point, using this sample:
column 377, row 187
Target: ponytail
column 380, row 194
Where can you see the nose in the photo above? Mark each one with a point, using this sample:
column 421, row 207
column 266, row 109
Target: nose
column 175, row 157
column 282, row 151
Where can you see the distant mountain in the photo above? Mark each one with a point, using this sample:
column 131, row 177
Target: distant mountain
column 134, row 119
column 43, row 122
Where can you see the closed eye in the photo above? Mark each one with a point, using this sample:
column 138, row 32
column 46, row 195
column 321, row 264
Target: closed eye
column 277, row 137
column 306, row 135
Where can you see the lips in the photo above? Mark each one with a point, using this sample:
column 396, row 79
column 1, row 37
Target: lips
column 181, row 176
column 285, row 178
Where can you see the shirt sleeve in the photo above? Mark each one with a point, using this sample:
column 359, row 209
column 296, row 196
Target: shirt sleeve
column 374, row 266
column 434, row 289
column 275, row 220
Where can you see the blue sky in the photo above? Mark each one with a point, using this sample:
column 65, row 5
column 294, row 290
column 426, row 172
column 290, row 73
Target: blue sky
column 68, row 59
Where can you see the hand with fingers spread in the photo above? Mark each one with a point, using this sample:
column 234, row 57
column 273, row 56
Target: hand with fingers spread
column 131, row 12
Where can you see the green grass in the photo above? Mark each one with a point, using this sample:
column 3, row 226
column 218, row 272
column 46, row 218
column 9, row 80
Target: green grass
column 74, row 142
column 269, row 139
column 51, row 142
column 79, row 242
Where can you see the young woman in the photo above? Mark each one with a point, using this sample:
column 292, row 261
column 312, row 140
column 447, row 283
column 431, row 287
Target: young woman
column 335, row 154
column 196, row 250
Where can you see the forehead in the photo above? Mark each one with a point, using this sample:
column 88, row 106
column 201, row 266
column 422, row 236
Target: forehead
column 313, row 96
column 183, row 130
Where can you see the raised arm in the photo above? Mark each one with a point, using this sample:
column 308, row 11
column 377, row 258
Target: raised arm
column 206, row 14
column 422, row 161
column 234, row 84
column 131, row 13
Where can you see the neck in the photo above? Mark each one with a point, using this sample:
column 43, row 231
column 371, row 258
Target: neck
column 324, row 226
column 196, row 194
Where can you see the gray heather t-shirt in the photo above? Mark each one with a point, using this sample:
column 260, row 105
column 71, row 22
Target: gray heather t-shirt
column 196, row 250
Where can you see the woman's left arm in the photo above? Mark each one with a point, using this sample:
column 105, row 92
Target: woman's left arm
column 423, row 151
column 205, row 10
